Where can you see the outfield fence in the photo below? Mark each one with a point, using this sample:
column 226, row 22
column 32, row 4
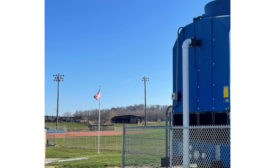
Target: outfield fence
column 85, row 137
column 144, row 146
column 89, row 140
column 50, row 140
column 188, row 147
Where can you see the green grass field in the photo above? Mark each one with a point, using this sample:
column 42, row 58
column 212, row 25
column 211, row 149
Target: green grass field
column 138, row 140
column 112, row 142
column 104, row 159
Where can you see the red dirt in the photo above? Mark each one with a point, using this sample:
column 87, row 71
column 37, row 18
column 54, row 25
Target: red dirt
column 90, row 133
column 86, row 133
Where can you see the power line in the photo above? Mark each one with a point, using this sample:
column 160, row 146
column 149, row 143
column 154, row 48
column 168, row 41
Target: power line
column 58, row 78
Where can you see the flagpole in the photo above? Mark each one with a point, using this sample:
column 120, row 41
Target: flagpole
column 98, row 137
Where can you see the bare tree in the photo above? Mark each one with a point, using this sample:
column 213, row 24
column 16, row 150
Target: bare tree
column 67, row 114
column 155, row 112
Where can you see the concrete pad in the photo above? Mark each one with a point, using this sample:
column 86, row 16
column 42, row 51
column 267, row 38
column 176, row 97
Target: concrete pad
column 50, row 160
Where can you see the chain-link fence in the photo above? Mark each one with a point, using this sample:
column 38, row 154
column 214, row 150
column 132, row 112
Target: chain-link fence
column 200, row 146
column 194, row 147
column 109, row 140
column 50, row 140
column 85, row 138
column 144, row 146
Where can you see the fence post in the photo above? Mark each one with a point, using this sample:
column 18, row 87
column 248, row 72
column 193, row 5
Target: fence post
column 116, row 144
column 171, row 147
column 78, row 140
column 94, row 141
column 86, row 137
column 186, row 160
column 123, row 148
column 64, row 139
column 166, row 141
column 105, row 143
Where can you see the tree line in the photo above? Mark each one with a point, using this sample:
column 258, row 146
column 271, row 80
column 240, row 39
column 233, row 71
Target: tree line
column 154, row 113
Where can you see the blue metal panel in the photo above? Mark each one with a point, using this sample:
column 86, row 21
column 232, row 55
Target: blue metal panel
column 204, row 59
column 221, row 70
column 225, row 155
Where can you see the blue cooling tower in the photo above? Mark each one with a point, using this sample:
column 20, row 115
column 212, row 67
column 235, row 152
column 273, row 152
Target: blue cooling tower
column 209, row 67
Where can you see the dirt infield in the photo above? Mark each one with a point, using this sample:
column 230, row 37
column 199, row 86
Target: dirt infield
column 90, row 133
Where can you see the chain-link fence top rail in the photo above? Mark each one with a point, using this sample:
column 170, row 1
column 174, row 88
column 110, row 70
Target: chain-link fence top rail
column 209, row 146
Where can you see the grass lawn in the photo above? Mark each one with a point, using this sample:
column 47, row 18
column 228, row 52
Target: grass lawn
column 70, row 126
column 104, row 159
column 90, row 142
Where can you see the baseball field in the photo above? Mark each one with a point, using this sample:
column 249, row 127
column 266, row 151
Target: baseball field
column 79, row 148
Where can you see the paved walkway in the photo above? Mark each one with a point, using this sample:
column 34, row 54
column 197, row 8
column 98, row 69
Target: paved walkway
column 50, row 160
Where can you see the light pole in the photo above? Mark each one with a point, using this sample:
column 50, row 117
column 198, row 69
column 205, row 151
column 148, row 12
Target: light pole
column 58, row 78
column 145, row 79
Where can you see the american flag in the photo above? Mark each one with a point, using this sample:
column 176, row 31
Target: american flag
column 97, row 95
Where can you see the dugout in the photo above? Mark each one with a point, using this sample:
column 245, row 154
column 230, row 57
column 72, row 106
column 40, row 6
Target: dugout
column 130, row 119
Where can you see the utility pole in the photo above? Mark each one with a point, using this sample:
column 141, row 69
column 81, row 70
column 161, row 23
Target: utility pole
column 145, row 79
column 58, row 78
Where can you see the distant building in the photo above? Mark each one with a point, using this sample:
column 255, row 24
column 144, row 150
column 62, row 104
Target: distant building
column 131, row 119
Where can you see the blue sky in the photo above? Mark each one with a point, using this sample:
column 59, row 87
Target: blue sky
column 112, row 43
